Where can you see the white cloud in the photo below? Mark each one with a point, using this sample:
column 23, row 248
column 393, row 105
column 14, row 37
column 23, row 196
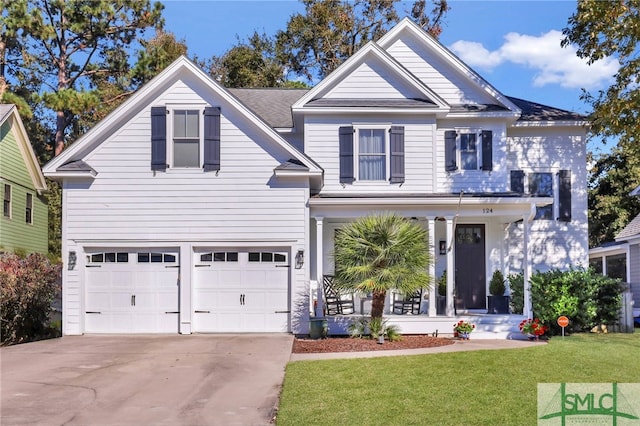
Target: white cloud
column 552, row 63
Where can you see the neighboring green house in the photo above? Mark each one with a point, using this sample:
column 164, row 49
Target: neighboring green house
column 23, row 222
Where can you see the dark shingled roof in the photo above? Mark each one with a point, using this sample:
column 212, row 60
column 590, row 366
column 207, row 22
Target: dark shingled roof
column 75, row 166
column 293, row 164
column 532, row 111
column 271, row 105
column 371, row 103
column 631, row 230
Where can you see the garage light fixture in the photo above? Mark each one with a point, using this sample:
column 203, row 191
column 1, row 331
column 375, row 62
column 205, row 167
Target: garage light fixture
column 299, row 259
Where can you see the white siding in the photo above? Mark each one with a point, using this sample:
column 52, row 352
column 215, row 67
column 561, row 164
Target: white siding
column 554, row 244
column 128, row 204
column 321, row 144
column 438, row 75
column 473, row 181
column 372, row 79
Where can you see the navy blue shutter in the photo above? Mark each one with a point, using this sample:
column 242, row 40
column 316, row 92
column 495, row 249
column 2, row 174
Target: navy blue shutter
column 517, row 181
column 211, row 139
column 487, row 150
column 396, row 145
column 564, row 195
column 159, row 138
column 346, row 154
column 450, row 151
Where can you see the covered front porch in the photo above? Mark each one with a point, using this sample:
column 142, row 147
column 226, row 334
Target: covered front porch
column 470, row 236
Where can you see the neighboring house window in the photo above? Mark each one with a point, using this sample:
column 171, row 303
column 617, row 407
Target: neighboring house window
column 468, row 150
column 541, row 185
column 194, row 143
column 29, row 209
column 6, row 205
column 371, row 154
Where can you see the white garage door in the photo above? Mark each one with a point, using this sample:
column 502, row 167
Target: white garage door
column 131, row 291
column 241, row 291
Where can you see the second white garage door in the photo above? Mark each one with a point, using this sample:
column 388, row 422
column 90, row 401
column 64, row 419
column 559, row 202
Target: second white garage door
column 241, row 291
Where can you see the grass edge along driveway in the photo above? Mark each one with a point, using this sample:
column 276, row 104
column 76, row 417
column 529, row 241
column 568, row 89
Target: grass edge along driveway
column 459, row 388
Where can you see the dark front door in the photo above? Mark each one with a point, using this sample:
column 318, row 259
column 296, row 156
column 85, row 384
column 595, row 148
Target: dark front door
column 470, row 267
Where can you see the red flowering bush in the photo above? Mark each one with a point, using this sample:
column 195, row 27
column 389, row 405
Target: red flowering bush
column 28, row 286
column 533, row 327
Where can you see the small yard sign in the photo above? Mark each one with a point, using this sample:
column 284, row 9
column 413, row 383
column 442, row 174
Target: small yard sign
column 563, row 322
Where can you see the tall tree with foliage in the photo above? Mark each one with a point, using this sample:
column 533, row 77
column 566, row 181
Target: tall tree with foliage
column 379, row 253
column 70, row 42
column 602, row 29
column 330, row 31
column 250, row 63
column 611, row 208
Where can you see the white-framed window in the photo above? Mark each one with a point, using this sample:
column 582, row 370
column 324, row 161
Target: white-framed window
column 186, row 142
column 29, row 209
column 468, row 151
column 371, row 152
column 6, row 204
column 540, row 184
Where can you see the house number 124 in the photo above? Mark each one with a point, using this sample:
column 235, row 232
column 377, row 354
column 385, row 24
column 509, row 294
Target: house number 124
column 486, row 211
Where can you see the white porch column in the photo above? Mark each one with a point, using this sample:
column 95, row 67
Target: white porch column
column 527, row 310
column 320, row 265
column 432, row 267
column 450, row 267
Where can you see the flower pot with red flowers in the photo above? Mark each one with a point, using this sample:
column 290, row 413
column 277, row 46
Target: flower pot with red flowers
column 463, row 329
column 532, row 328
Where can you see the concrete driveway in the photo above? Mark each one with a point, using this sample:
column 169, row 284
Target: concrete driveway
column 144, row 380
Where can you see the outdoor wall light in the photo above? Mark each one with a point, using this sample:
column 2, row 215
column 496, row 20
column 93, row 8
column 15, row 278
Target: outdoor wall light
column 443, row 247
column 72, row 260
column 299, row 259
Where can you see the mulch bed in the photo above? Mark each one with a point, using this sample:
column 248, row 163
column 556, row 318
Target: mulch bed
column 348, row 344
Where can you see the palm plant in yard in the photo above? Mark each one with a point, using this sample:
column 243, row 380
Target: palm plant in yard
column 381, row 252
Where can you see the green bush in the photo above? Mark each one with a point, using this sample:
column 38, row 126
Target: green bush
column 496, row 285
column 28, row 286
column 587, row 298
column 516, row 284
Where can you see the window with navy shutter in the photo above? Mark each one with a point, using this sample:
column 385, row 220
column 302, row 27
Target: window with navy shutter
column 346, row 154
column 211, row 139
column 158, row 138
column 396, row 143
column 487, row 150
column 564, row 195
column 517, row 181
column 450, row 163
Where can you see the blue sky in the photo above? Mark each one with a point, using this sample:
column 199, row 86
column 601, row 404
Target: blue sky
column 515, row 45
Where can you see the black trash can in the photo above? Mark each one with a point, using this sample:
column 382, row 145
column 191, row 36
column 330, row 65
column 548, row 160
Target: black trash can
column 318, row 328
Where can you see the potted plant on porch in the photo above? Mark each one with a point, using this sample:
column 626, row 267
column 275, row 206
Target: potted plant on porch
column 441, row 298
column 497, row 303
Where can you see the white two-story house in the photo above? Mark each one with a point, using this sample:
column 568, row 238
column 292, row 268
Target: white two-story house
column 195, row 208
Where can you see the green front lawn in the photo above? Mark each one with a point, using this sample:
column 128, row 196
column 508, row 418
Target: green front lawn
column 459, row 388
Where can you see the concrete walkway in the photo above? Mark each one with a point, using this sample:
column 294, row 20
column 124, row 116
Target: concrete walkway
column 466, row 345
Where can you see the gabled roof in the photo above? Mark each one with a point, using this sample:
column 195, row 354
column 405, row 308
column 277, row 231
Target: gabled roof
column 9, row 113
column 408, row 26
column 532, row 111
column 181, row 68
column 371, row 51
column 271, row 105
column 631, row 230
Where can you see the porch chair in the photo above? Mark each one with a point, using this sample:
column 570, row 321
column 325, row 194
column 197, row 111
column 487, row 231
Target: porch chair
column 336, row 302
column 407, row 304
